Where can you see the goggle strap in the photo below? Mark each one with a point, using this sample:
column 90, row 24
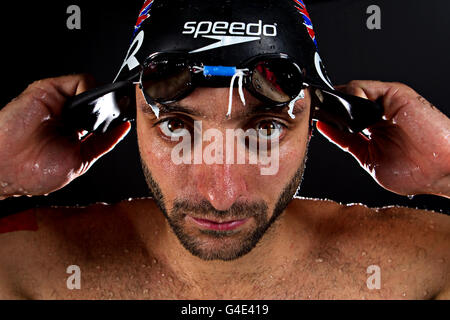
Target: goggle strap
column 301, row 95
column 238, row 73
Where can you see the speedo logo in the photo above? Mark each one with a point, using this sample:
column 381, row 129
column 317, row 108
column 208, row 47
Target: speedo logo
column 228, row 33
column 234, row 28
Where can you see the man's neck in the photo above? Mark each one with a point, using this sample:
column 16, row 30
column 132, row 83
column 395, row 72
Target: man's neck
column 286, row 241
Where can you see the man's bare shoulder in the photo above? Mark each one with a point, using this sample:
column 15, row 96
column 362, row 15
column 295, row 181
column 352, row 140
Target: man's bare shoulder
column 410, row 245
column 352, row 217
column 33, row 241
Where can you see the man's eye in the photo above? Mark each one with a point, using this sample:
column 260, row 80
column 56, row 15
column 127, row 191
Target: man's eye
column 173, row 128
column 269, row 129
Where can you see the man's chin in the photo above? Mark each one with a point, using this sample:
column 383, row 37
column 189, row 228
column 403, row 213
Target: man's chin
column 225, row 245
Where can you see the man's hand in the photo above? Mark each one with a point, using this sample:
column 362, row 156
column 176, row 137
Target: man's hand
column 35, row 159
column 407, row 153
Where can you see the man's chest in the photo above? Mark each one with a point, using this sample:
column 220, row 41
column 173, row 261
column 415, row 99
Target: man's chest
column 302, row 283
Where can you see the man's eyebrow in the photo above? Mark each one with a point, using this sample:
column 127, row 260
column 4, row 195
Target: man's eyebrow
column 265, row 108
column 171, row 108
column 247, row 112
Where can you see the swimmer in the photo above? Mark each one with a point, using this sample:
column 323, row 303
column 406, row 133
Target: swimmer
column 224, row 230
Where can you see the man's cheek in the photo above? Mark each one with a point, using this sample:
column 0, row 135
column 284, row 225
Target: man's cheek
column 168, row 175
column 282, row 168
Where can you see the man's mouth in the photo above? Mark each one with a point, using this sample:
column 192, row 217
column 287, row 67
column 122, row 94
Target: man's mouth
column 217, row 225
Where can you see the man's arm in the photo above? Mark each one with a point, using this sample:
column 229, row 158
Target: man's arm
column 409, row 151
column 35, row 158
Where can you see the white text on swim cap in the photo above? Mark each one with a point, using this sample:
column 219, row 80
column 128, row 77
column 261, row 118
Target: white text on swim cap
column 232, row 28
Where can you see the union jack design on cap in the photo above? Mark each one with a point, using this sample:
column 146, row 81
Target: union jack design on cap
column 307, row 20
column 144, row 14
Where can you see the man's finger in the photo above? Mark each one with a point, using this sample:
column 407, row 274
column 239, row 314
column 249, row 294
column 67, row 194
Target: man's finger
column 52, row 93
column 356, row 144
column 96, row 145
column 71, row 85
column 392, row 95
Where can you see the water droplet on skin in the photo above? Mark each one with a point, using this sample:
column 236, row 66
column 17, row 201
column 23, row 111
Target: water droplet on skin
column 170, row 279
column 155, row 261
column 404, row 294
column 389, row 260
column 319, row 260
column 425, row 293
column 435, row 155
column 410, row 197
column 363, row 253
column 163, row 275
column 144, row 266
column 4, row 184
column 145, row 291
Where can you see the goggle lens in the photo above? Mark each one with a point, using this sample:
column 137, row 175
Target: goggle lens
column 165, row 80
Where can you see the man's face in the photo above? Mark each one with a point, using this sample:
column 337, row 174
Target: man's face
column 220, row 209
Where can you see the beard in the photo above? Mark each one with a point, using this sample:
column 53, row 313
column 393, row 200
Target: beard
column 223, row 245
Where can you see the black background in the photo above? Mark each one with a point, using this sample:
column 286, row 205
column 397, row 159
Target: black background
column 412, row 47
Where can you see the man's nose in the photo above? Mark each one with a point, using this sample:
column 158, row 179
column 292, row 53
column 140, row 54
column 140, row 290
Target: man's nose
column 220, row 184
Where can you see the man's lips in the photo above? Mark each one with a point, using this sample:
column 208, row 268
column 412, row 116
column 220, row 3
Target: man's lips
column 220, row 226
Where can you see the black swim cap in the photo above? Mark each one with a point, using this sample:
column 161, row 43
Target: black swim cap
column 224, row 33
column 227, row 32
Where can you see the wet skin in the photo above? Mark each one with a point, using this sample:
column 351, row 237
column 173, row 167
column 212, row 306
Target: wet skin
column 315, row 249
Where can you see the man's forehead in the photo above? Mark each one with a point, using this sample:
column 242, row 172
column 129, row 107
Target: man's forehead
column 213, row 102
